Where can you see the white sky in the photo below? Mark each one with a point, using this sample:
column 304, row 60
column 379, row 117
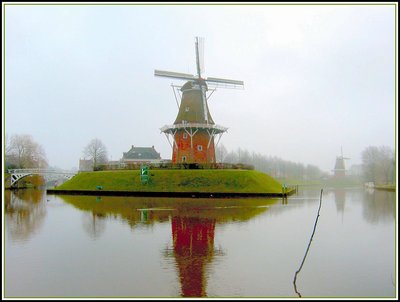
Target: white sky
column 317, row 77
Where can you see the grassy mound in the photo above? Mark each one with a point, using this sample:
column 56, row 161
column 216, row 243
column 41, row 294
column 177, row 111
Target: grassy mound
column 217, row 181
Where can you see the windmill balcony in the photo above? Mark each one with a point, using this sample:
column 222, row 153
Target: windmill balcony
column 216, row 128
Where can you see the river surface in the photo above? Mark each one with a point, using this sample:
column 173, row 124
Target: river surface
column 97, row 246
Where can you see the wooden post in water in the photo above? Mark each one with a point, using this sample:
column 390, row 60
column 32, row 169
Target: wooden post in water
column 308, row 247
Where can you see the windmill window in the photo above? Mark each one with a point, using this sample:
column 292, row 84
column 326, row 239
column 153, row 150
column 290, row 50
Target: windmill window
column 187, row 109
column 200, row 147
column 183, row 158
column 185, row 135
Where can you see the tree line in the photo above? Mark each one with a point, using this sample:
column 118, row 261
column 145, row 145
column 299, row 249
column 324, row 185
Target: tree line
column 22, row 152
column 378, row 165
column 378, row 162
column 272, row 165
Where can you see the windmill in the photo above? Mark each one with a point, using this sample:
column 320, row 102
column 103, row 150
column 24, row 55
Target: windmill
column 194, row 131
column 340, row 170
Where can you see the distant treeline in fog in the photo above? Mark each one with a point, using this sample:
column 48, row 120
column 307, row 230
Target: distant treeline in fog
column 378, row 165
column 272, row 165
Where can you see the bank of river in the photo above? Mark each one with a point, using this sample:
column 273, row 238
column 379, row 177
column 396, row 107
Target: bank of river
column 103, row 246
column 177, row 183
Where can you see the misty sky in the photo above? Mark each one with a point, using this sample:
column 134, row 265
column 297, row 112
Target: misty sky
column 316, row 77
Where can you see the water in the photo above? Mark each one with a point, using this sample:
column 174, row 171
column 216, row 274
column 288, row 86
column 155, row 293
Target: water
column 88, row 246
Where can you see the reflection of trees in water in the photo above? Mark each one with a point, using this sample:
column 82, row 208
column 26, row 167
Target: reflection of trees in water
column 379, row 206
column 94, row 224
column 29, row 195
column 136, row 212
column 24, row 212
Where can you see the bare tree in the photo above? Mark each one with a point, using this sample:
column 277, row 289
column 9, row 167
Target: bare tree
column 23, row 152
column 221, row 152
column 96, row 151
column 378, row 164
column 7, row 144
column 231, row 157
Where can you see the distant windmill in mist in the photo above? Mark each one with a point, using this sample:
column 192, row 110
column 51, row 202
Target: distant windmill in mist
column 340, row 169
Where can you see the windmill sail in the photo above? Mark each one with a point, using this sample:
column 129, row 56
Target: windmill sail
column 199, row 47
column 224, row 81
column 175, row 75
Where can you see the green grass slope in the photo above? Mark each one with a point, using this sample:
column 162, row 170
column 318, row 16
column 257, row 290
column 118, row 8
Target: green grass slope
column 221, row 181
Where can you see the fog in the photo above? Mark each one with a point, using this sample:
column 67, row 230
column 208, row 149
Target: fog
column 317, row 78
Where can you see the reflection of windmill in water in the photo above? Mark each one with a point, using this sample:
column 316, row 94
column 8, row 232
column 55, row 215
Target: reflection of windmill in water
column 340, row 170
column 194, row 130
column 340, row 199
column 193, row 241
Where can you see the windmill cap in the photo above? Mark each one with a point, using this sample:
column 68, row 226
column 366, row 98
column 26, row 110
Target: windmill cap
column 190, row 84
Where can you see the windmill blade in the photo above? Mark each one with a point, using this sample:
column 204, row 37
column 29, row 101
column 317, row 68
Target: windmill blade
column 199, row 48
column 224, row 85
column 175, row 75
column 224, row 81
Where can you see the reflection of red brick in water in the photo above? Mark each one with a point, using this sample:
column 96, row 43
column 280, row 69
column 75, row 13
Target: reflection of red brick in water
column 193, row 240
